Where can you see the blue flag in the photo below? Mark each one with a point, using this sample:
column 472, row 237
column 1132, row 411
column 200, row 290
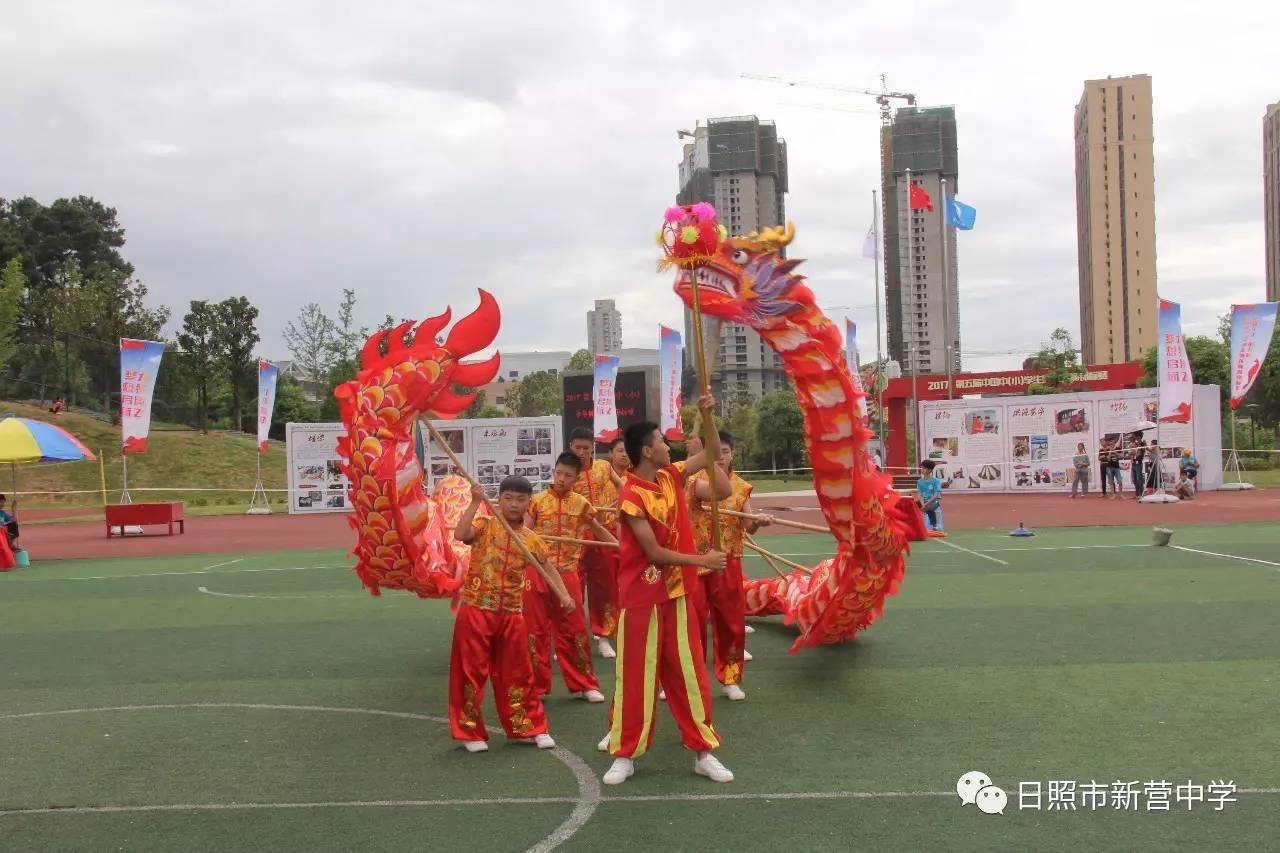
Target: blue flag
column 960, row 215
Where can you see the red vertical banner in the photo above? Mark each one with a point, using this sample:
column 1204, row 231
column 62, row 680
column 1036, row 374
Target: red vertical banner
column 267, row 375
column 1173, row 367
column 139, row 364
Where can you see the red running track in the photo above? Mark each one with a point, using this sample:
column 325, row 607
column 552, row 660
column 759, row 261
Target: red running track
column 246, row 534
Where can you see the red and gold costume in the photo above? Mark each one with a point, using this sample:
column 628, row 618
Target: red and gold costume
column 600, row 565
column 658, row 637
column 566, row 516
column 726, row 601
column 489, row 638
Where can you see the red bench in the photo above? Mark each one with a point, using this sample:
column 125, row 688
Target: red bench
column 123, row 515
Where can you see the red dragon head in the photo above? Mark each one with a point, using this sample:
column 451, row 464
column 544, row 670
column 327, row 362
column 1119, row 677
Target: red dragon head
column 746, row 279
column 418, row 376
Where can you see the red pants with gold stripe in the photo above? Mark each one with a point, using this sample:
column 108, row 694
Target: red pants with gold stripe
column 549, row 624
column 488, row 644
column 600, row 568
column 660, row 644
column 726, row 608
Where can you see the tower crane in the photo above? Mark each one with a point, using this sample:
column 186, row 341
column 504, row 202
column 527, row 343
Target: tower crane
column 882, row 97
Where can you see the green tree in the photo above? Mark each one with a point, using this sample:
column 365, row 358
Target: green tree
column 581, row 360
column 313, row 341
column 237, row 335
column 536, row 395
column 780, row 430
column 349, row 338
column 1059, row 357
column 44, row 238
column 1266, row 389
column 292, row 405
column 743, row 424
column 200, row 353
column 11, row 285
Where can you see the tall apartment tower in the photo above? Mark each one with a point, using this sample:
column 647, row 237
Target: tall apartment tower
column 604, row 328
column 922, row 293
column 739, row 165
column 1116, row 219
column 1271, row 197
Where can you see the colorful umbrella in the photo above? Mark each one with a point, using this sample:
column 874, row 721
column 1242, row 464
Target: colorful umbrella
column 23, row 440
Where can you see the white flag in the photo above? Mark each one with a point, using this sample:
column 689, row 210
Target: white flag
column 869, row 244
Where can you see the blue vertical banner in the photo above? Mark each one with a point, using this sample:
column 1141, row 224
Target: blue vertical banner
column 605, row 397
column 139, row 364
column 855, row 369
column 1251, row 330
column 268, row 373
column 671, row 371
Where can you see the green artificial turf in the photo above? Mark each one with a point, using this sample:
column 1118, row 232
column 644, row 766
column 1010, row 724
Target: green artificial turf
column 1053, row 658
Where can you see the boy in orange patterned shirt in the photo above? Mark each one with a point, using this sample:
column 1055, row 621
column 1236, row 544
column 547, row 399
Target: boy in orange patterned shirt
column 726, row 601
column 489, row 636
column 658, row 637
column 599, row 482
column 563, row 513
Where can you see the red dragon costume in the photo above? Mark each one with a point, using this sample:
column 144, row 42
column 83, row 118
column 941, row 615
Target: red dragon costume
column 748, row 280
column 404, row 538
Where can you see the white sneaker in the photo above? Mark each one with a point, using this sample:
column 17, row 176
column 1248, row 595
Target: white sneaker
column 734, row 693
column 662, row 694
column 544, row 741
column 605, row 648
column 711, row 767
column 475, row 746
column 746, row 655
column 592, row 696
column 603, row 745
column 621, row 771
column 750, row 630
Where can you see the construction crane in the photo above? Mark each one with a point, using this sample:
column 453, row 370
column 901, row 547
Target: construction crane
column 882, row 97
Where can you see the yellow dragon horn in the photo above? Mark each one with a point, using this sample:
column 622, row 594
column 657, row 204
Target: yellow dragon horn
column 766, row 239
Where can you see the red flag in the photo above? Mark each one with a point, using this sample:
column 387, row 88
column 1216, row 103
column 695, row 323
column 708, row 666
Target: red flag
column 920, row 199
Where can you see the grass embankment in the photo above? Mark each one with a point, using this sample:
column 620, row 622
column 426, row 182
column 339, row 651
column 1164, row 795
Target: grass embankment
column 177, row 461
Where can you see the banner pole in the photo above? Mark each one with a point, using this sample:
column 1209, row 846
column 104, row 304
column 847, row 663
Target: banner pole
column 124, row 479
column 710, row 436
column 875, row 225
column 946, row 292
column 912, row 350
column 102, row 475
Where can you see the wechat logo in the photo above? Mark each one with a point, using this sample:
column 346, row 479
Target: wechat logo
column 975, row 789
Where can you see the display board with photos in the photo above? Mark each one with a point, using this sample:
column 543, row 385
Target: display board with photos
column 492, row 449
column 316, row 481
column 1030, row 443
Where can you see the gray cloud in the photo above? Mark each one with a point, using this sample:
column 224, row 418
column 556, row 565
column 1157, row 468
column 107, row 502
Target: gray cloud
column 417, row 151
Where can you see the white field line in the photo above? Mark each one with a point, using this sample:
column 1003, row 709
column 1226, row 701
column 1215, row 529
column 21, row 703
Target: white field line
column 208, row 570
column 1227, row 556
column 951, row 544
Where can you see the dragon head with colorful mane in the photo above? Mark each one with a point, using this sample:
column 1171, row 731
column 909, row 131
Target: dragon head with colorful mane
column 749, row 280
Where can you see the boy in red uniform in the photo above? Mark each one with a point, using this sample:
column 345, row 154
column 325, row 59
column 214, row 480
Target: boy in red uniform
column 598, row 482
column 726, row 601
column 561, row 512
column 658, row 636
column 489, row 636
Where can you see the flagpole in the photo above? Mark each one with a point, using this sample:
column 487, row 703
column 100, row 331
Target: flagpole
column 875, row 229
column 946, row 292
column 1159, row 496
column 912, row 351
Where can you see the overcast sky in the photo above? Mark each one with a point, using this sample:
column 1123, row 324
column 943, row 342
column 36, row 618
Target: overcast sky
column 415, row 151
